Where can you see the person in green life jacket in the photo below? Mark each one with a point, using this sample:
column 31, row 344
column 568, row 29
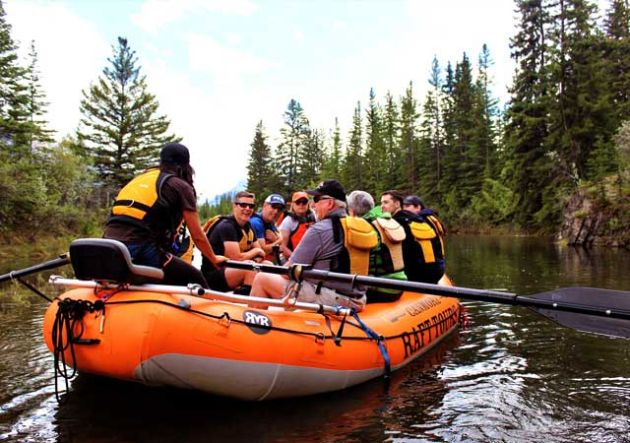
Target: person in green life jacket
column 386, row 260
column 148, row 211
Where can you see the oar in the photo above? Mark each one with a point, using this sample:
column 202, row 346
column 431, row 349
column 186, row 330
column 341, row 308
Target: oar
column 63, row 259
column 594, row 310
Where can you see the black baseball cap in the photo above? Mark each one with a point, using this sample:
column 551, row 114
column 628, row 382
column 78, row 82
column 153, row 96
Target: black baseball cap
column 332, row 188
column 175, row 154
column 413, row 200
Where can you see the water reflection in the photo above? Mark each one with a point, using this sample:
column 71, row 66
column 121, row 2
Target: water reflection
column 369, row 412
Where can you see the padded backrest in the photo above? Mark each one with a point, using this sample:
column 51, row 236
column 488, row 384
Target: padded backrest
column 108, row 260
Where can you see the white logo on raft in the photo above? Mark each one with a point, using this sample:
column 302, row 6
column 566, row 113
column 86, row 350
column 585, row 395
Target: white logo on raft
column 255, row 320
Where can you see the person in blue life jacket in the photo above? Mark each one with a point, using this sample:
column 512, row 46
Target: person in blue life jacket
column 148, row 211
column 265, row 230
column 423, row 247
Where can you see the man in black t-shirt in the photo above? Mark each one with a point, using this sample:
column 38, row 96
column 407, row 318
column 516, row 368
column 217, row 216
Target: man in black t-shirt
column 234, row 238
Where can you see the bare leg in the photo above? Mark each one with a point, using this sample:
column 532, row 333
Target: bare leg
column 237, row 277
column 268, row 285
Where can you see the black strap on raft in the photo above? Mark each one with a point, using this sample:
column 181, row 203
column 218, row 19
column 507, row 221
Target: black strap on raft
column 69, row 314
column 34, row 289
column 379, row 341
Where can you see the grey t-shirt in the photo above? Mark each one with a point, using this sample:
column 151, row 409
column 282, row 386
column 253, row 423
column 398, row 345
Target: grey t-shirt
column 318, row 248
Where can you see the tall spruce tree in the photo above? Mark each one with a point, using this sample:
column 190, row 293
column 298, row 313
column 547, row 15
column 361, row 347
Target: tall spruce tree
column 15, row 128
column 260, row 171
column 353, row 162
column 487, row 116
column 120, row 129
column 333, row 157
column 376, row 151
column 311, row 158
column 391, row 135
column 295, row 135
column 409, row 141
column 617, row 26
column 431, row 139
column 526, row 128
column 37, row 103
column 580, row 118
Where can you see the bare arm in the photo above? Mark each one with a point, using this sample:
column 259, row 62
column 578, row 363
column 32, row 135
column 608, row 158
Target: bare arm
column 199, row 237
column 284, row 243
column 233, row 252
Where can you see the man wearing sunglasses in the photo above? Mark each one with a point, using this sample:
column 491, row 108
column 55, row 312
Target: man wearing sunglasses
column 263, row 224
column 233, row 235
column 295, row 223
column 323, row 248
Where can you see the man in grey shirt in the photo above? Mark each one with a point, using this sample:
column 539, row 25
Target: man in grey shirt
column 319, row 249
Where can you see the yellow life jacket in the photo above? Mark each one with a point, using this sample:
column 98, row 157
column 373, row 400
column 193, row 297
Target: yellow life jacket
column 139, row 196
column 430, row 242
column 140, row 203
column 247, row 240
column 359, row 238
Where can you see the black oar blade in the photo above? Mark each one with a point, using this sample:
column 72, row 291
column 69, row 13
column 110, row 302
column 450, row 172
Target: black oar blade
column 607, row 304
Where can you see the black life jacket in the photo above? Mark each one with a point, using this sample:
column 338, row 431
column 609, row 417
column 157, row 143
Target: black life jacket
column 358, row 238
column 304, row 222
column 140, row 203
column 422, row 245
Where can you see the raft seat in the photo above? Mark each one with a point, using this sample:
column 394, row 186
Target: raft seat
column 107, row 260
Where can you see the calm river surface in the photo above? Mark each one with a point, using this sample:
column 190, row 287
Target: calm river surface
column 511, row 376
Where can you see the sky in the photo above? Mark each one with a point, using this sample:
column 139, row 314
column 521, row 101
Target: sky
column 218, row 67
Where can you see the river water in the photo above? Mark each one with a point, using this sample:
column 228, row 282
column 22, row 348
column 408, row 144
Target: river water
column 510, row 375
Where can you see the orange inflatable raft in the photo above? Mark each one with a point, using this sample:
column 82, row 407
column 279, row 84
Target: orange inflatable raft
column 162, row 335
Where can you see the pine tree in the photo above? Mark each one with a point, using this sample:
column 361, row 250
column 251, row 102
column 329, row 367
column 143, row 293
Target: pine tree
column 526, row 130
column 36, row 102
column 409, row 141
column 310, row 159
column 353, row 167
column 15, row 128
column 376, row 152
column 295, row 134
column 119, row 127
column 391, row 135
column 487, row 112
column 431, row 139
column 259, row 169
column 580, row 121
column 617, row 25
column 333, row 158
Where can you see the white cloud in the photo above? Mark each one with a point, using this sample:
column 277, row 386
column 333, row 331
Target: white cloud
column 154, row 14
column 69, row 58
column 227, row 65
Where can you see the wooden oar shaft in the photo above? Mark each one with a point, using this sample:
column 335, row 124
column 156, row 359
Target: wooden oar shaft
column 450, row 291
column 63, row 259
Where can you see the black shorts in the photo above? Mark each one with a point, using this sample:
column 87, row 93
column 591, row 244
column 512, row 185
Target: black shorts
column 216, row 279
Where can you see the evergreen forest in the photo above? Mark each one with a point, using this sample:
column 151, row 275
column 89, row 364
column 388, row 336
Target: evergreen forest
column 565, row 127
column 482, row 165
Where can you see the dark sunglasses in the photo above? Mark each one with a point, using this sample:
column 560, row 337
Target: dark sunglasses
column 278, row 207
column 319, row 198
column 301, row 201
column 245, row 205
